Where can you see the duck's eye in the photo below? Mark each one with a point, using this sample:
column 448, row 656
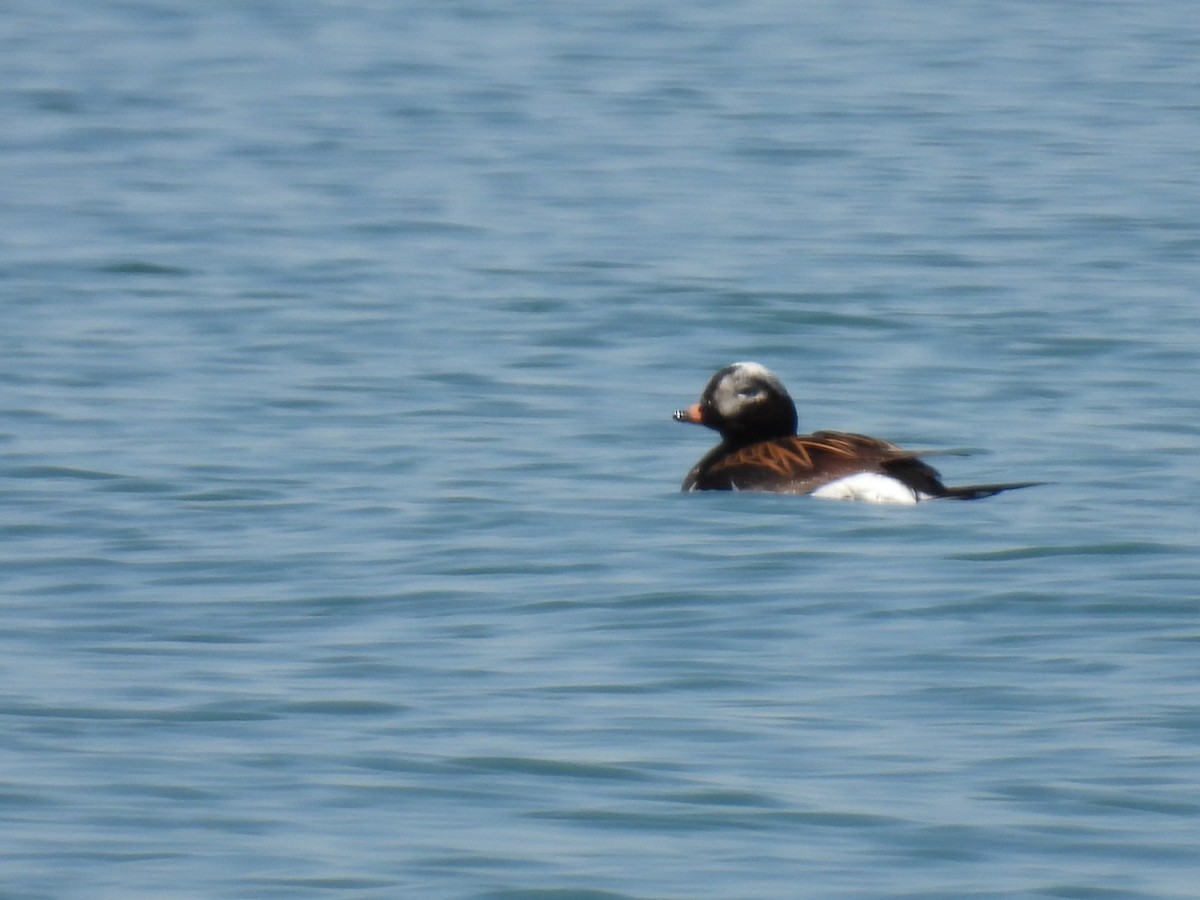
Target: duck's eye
column 749, row 391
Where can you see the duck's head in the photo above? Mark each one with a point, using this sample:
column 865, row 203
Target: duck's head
column 745, row 403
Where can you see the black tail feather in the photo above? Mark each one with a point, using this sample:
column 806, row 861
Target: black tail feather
column 979, row 491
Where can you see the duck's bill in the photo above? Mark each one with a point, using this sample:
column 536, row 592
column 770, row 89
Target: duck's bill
column 691, row 414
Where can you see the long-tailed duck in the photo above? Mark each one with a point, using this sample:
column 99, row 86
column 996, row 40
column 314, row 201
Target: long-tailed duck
column 749, row 407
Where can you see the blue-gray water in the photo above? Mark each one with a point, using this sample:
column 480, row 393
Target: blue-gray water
column 342, row 550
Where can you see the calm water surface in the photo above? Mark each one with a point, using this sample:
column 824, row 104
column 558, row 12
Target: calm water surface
column 342, row 549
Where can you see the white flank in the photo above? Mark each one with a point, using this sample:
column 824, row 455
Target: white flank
column 870, row 487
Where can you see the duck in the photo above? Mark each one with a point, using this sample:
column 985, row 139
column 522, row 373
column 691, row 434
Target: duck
column 760, row 450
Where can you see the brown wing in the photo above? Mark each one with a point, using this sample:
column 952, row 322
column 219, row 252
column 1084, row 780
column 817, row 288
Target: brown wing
column 801, row 464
